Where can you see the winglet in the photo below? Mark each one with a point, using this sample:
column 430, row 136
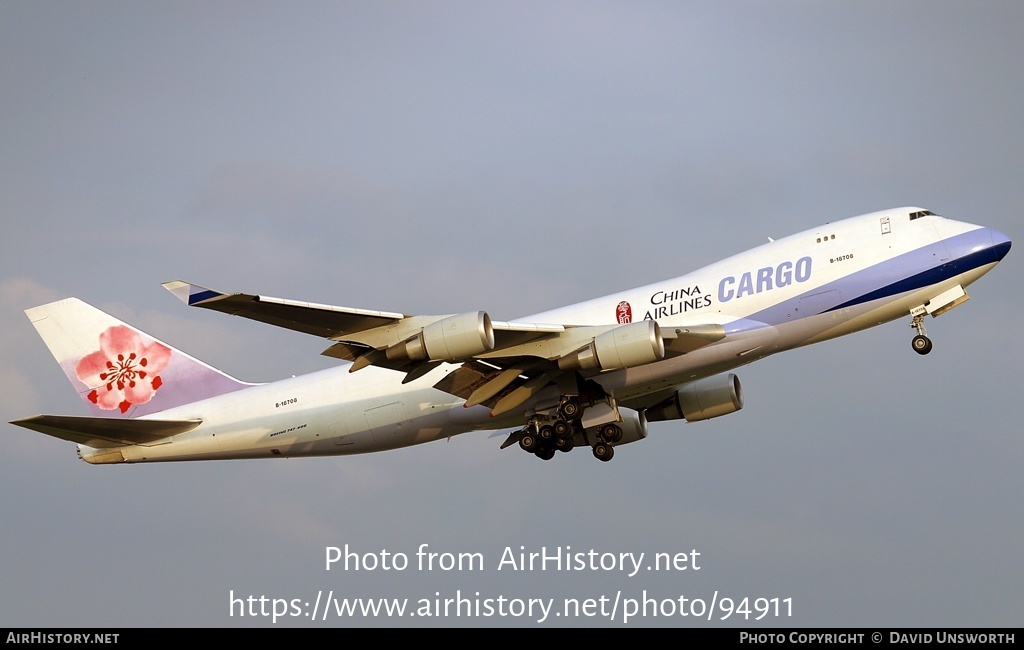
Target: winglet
column 191, row 294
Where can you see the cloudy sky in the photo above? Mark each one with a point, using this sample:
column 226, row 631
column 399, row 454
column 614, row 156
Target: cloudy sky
column 437, row 157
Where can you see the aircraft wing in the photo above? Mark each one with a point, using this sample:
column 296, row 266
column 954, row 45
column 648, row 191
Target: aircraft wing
column 358, row 332
column 498, row 358
column 320, row 320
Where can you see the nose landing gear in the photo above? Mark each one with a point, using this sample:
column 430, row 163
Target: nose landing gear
column 921, row 343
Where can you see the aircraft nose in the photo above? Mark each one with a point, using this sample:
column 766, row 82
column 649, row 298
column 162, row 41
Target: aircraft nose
column 1000, row 244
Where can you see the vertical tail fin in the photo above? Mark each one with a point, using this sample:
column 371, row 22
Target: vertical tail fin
column 118, row 370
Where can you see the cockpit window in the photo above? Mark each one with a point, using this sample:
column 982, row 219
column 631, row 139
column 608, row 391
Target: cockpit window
column 922, row 213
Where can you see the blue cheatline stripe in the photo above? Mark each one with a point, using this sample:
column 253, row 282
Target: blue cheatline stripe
column 942, row 272
column 873, row 283
column 200, row 296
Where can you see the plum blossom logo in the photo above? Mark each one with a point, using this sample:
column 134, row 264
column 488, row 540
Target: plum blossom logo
column 124, row 371
column 624, row 313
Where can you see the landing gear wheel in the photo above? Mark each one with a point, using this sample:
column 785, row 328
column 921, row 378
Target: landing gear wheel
column 562, row 429
column 545, row 453
column 546, row 432
column 528, row 442
column 922, row 344
column 611, row 433
column 564, row 444
column 603, row 452
column 570, row 409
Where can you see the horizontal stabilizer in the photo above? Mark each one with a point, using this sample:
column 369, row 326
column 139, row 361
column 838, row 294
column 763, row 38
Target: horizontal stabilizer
column 106, row 432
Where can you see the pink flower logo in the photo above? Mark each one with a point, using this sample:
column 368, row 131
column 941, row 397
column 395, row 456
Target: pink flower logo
column 623, row 312
column 124, row 371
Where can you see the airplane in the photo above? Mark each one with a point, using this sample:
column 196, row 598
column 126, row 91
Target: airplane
column 592, row 374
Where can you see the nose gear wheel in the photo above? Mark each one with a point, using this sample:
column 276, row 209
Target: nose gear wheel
column 921, row 343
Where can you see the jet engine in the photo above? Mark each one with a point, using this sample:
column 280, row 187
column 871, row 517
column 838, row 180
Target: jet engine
column 701, row 400
column 627, row 346
column 450, row 339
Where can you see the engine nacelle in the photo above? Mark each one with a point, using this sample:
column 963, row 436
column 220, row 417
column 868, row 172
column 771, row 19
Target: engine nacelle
column 627, row 346
column 450, row 339
column 701, row 400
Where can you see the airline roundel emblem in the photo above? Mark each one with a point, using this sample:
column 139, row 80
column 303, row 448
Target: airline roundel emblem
column 624, row 313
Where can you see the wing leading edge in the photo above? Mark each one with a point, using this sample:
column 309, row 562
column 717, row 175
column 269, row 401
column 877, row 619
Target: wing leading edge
column 502, row 363
column 319, row 320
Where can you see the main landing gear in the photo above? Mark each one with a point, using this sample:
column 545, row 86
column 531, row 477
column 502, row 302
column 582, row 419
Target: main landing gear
column 921, row 343
column 562, row 429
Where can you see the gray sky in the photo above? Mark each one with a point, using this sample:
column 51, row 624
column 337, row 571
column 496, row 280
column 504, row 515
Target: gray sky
column 447, row 156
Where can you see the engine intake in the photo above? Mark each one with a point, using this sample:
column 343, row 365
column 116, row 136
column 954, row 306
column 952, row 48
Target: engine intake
column 450, row 339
